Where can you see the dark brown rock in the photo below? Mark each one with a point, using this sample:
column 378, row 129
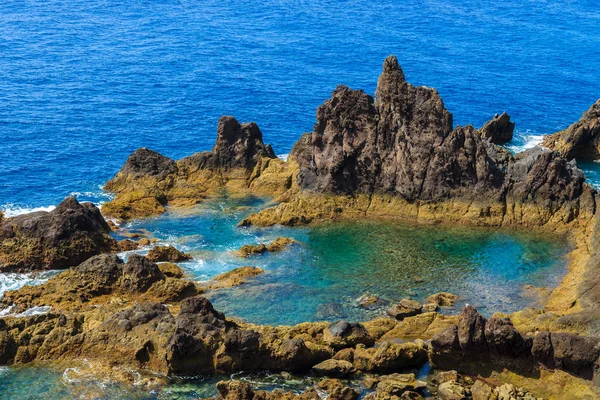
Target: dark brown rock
column 145, row 162
column 342, row 334
column 59, row 239
column 168, row 254
column 580, row 140
column 238, row 146
column 471, row 330
column 499, row 130
column 503, row 339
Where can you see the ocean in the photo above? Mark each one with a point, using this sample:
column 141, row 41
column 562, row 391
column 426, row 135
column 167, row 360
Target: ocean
column 83, row 84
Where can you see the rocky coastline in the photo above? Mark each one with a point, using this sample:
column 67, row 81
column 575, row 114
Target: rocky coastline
column 396, row 155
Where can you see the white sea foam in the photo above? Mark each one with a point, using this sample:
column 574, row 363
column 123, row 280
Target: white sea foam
column 10, row 210
column 14, row 281
column 283, row 157
column 524, row 140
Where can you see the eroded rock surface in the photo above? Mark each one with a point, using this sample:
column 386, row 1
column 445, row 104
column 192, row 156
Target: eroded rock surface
column 499, row 130
column 149, row 181
column 59, row 239
column 580, row 140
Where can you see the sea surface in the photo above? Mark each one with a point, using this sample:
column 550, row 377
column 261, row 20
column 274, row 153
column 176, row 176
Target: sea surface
column 83, row 84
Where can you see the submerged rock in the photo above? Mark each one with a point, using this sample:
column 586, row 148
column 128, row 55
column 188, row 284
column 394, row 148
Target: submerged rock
column 580, row 140
column 59, row 239
column 168, row 254
column 234, row 277
column 498, row 130
column 273, row 247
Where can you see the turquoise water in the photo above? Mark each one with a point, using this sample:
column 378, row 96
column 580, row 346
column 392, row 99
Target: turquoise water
column 83, row 84
column 36, row 383
column 332, row 265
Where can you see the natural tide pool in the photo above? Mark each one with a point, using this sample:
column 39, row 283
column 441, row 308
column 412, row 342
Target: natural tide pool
column 333, row 264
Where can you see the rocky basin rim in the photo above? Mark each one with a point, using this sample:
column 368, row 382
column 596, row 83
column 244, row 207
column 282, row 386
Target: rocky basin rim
column 396, row 155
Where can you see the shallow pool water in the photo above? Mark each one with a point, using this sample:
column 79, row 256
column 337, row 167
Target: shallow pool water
column 322, row 275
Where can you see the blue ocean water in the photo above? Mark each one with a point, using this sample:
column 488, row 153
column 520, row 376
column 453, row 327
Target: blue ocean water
column 83, row 84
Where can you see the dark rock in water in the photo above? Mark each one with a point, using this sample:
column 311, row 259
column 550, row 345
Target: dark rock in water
column 498, row 130
column 61, row 238
column 580, row 140
column 402, row 143
column 406, row 308
column 330, row 311
column 167, row 253
column 342, row 334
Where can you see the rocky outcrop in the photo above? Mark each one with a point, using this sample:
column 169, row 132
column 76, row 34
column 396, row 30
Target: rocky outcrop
column 167, row 254
column 499, row 130
column 232, row 278
column 580, row 140
column 476, row 345
column 399, row 155
column 59, row 239
column 273, row 247
column 239, row 161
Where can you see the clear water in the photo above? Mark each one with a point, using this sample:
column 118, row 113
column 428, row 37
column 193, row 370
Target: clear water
column 83, row 84
column 332, row 265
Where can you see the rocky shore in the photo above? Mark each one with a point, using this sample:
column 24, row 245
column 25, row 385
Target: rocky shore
column 397, row 155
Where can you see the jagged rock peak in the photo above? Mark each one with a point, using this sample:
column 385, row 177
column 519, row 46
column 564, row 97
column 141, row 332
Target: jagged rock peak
column 239, row 145
column 581, row 139
column 498, row 130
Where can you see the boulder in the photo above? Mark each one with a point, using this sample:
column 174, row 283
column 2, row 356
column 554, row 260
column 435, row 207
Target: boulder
column 581, row 139
column 59, row 239
column 171, row 270
column 168, row 254
column 333, row 368
column 342, row 334
column 471, row 330
column 452, row 390
column 406, row 308
column 442, row 299
column 235, row 277
column 336, row 390
column 273, row 247
column 499, row 130
column 127, row 245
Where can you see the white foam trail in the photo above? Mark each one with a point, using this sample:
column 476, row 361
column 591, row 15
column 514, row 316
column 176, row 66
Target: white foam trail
column 283, row 157
column 12, row 211
column 14, row 281
column 37, row 310
column 524, row 140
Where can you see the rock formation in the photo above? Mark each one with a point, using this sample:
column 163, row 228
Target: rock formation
column 580, row 140
column 239, row 161
column 59, row 239
column 498, row 130
column 398, row 154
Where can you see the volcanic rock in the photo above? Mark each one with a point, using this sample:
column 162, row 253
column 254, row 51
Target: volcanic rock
column 59, row 239
column 580, row 140
column 498, row 130
column 168, row 254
